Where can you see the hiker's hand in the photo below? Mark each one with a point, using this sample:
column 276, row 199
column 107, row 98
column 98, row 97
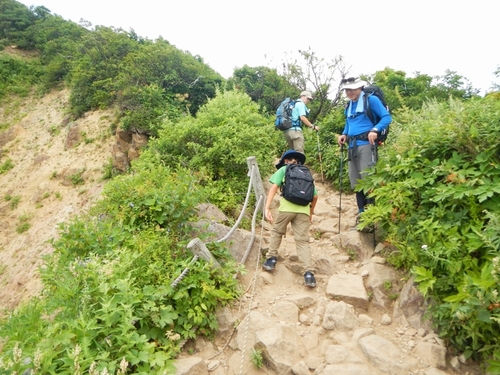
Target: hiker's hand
column 269, row 216
column 342, row 139
column 314, row 127
column 372, row 137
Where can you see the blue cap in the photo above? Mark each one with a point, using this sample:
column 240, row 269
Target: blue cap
column 291, row 154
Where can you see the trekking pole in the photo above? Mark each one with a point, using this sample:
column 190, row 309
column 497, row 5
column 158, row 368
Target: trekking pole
column 374, row 159
column 320, row 160
column 340, row 181
column 373, row 163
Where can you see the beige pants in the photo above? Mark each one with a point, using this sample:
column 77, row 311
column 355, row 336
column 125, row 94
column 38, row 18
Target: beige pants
column 300, row 227
column 295, row 140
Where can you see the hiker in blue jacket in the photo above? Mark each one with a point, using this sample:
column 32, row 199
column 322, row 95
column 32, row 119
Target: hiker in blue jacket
column 294, row 136
column 361, row 134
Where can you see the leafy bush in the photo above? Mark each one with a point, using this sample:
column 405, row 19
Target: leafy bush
column 109, row 299
column 18, row 76
column 437, row 193
column 217, row 143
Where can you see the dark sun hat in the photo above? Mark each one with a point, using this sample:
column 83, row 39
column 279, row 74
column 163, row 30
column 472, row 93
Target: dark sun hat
column 291, row 154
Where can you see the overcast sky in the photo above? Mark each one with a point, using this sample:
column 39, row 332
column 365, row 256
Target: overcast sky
column 426, row 36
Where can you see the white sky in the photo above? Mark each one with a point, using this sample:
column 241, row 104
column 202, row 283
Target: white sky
column 426, row 36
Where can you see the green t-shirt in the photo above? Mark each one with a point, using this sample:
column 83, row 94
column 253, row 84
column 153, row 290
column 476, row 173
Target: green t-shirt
column 285, row 206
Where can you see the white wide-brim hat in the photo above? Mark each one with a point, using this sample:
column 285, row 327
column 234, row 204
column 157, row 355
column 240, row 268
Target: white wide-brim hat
column 353, row 83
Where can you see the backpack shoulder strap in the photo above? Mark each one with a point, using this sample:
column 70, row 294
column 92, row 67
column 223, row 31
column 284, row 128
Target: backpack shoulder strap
column 368, row 109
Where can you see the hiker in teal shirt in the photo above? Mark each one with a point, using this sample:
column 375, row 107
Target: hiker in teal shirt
column 299, row 216
column 361, row 134
column 294, row 136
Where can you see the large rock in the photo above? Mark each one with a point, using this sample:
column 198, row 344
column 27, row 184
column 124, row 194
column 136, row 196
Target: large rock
column 410, row 307
column 127, row 148
column 379, row 278
column 301, row 300
column 191, row 366
column 382, row 353
column 431, row 354
column 286, row 311
column 336, row 354
column 237, row 243
column 281, row 348
column 339, row 316
column 356, row 243
column 346, row 369
column 348, row 288
column 256, row 322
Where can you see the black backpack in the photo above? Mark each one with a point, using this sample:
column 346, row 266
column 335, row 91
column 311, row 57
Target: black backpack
column 284, row 115
column 298, row 186
column 377, row 91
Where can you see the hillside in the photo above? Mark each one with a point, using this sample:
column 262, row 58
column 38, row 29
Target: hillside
column 57, row 172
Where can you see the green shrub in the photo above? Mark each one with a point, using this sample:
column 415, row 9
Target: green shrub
column 217, row 143
column 17, row 75
column 109, row 296
column 7, row 165
column 437, row 194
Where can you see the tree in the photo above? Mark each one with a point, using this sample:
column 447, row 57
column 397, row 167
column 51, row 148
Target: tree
column 15, row 18
column 264, row 85
column 318, row 75
column 158, row 79
column 451, row 84
column 97, row 63
column 411, row 92
column 496, row 86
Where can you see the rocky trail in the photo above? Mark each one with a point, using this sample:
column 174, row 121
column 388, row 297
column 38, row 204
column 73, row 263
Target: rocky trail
column 362, row 318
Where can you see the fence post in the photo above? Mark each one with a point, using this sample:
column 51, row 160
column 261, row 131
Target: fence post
column 197, row 247
column 258, row 187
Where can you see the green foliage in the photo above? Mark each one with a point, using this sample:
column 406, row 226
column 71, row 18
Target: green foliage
column 332, row 125
column 7, row 165
column 437, row 194
column 217, row 143
column 264, row 85
column 23, row 227
column 98, row 63
column 15, row 18
column 412, row 92
column 157, row 197
column 159, row 80
column 109, row 171
column 310, row 71
column 109, row 299
column 14, row 201
column 17, row 75
column 144, row 108
column 256, row 358
column 77, row 178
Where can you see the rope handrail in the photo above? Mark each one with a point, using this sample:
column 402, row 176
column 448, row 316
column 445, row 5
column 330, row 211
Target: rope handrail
column 242, row 213
column 199, row 249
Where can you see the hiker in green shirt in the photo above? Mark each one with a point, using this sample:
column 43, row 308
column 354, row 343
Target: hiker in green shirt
column 299, row 216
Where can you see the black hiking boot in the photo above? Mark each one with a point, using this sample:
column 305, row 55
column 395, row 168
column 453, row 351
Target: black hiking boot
column 270, row 264
column 309, row 279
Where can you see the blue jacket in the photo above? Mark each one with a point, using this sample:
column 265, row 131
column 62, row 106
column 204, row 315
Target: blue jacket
column 358, row 123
